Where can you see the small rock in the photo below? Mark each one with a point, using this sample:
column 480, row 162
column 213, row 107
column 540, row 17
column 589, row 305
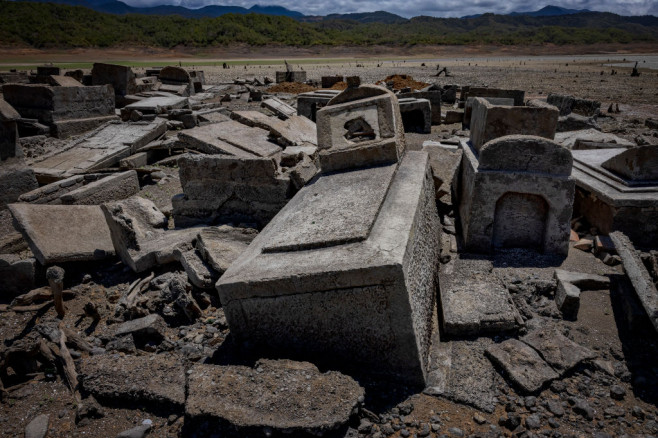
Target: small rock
column 584, row 245
column 406, row 408
column 638, row 412
column 38, row 427
column 135, row 432
column 530, row 401
column 455, row 431
column 555, row 407
column 479, row 419
column 553, row 423
column 617, row 392
column 533, row 422
column 583, row 408
column 365, row 426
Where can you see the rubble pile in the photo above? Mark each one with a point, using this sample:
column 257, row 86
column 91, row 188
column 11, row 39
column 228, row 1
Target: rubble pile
column 183, row 259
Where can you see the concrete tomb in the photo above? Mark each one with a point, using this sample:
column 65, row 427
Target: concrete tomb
column 176, row 80
column 231, row 138
column 9, row 146
column 416, row 115
column 309, row 103
column 434, row 97
column 66, row 110
column 516, row 191
column 346, row 273
column 360, row 127
column 492, row 121
column 617, row 189
column 290, row 76
column 570, row 104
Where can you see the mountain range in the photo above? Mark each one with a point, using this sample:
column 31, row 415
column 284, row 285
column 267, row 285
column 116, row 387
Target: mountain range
column 120, row 8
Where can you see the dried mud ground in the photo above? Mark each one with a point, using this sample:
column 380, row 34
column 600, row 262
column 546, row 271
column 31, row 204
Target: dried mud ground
column 627, row 356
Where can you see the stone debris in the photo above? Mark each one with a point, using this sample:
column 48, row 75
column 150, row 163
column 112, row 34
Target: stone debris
column 638, row 275
column 278, row 107
column 560, row 352
column 38, row 427
column 64, row 233
column 139, row 233
column 525, row 368
column 157, row 379
column 239, row 400
column 570, row 104
column 294, row 131
column 221, row 246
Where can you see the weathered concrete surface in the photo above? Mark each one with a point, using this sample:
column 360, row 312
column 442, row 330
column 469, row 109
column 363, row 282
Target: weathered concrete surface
column 9, row 146
column 198, row 271
column 139, row 235
column 221, row 246
column 157, row 380
column 120, row 77
column 460, row 371
column 570, row 138
column 229, row 189
column 52, row 192
column 445, row 163
column 111, row 188
column 518, row 194
column 473, row 300
column 278, row 107
column 17, row 275
column 570, row 104
column 102, row 148
column 158, row 104
column 309, row 103
column 416, row 115
column 638, row 275
column 344, row 213
column 148, row 327
column 636, row 164
column 560, row 352
column 294, row 131
column 280, row 395
column 567, row 299
column 434, row 97
column 517, row 95
column 64, row 233
column 360, row 127
column 522, row 364
column 67, row 110
column 490, row 121
column 610, row 201
column 15, row 180
column 230, row 138
column 360, row 305
column 466, row 115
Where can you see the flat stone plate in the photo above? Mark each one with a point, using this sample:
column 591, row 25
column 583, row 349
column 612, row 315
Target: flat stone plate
column 335, row 209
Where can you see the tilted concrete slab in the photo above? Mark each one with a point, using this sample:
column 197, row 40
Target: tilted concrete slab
column 278, row 107
column 64, row 233
column 102, row 148
column 357, row 305
column 158, row 104
column 294, row 131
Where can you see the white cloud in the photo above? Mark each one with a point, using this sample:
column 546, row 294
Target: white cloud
column 437, row 8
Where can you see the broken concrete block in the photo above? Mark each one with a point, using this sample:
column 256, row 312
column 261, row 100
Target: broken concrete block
column 276, row 396
column 177, row 77
column 638, row 275
column 570, row 104
column 309, row 103
column 63, row 81
column 223, row 189
column 157, row 380
column 139, row 235
column 491, row 121
column 200, row 273
column 149, row 327
column 290, row 76
column 17, row 275
column 67, row 110
column 294, row 131
column 473, row 300
column 523, row 365
column 567, row 299
column 330, row 277
column 416, row 115
column 518, row 96
column 111, row 188
column 604, row 244
column 9, row 146
column 584, row 245
column 560, row 352
column 64, row 233
column 445, row 164
column 570, row 138
column 278, row 107
column 518, row 193
column 615, row 191
column 102, row 148
column 15, row 180
column 157, row 104
column 230, row 138
column 433, row 96
column 467, row 114
column 360, row 127
column 221, row 246
column 575, row 122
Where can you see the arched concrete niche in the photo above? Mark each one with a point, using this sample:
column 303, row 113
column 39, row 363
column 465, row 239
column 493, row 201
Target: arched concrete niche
column 520, row 221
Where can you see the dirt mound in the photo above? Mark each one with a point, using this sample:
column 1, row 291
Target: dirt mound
column 290, row 87
column 403, row 81
column 339, row 86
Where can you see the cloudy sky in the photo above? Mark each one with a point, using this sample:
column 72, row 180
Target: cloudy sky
column 437, row 8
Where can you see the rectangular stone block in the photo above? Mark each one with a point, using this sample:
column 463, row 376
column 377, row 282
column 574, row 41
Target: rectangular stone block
column 309, row 103
column 491, row 121
column 434, row 96
column 232, row 138
column 416, row 115
column 114, row 187
column 517, row 95
column 290, row 76
column 357, row 304
column 64, row 233
column 120, row 77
